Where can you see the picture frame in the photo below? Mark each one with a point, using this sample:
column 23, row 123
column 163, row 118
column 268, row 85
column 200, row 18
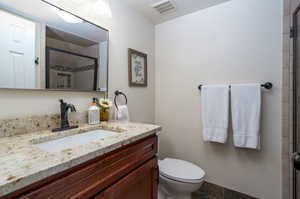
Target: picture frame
column 137, row 68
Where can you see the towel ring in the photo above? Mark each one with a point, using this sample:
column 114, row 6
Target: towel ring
column 117, row 93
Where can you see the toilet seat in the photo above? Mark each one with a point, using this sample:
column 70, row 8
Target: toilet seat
column 185, row 181
column 181, row 171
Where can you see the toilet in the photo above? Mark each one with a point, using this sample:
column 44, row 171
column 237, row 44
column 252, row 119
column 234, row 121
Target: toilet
column 179, row 178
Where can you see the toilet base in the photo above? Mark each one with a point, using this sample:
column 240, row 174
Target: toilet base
column 164, row 194
column 175, row 186
column 187, row 196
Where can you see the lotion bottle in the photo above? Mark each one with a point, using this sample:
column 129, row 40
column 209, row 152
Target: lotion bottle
column 94, row 113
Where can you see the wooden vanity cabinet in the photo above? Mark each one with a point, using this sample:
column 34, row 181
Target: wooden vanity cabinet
column 130, row 172
column 140, row 184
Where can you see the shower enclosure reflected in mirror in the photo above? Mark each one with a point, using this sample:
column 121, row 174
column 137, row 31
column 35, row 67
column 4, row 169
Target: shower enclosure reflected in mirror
column 50, row 48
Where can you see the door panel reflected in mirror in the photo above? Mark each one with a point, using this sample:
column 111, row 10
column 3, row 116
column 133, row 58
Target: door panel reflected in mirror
column 49, row 48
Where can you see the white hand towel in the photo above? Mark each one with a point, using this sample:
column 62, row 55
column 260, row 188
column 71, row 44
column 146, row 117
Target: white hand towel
column 122, row 113
column 246, row 105
column 215, row 112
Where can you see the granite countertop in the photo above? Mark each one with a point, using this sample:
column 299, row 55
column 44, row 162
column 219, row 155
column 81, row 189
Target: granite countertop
column 22, row 163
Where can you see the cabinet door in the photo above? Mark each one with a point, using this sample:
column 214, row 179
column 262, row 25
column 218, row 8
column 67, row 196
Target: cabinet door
column 139, row 184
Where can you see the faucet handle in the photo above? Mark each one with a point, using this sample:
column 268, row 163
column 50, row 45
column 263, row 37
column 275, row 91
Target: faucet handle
column 73, row 109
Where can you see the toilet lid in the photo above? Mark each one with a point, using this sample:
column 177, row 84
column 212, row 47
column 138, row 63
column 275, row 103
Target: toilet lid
column 180, row 170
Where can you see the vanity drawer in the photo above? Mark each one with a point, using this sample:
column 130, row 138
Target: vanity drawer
column 139, row 184
column 91, row 178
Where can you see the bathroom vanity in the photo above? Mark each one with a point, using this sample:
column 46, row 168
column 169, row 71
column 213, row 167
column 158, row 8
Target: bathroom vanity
column 53, row 49
column 123, row 165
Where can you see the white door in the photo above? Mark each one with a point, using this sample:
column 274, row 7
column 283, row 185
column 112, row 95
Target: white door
column 17, row 52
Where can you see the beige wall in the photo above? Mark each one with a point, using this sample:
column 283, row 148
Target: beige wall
column 128, row 30
column 234, row 42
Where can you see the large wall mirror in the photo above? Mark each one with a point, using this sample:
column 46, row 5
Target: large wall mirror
column 45, row 47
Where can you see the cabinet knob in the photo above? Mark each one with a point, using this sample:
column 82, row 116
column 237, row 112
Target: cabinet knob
column 296, row 160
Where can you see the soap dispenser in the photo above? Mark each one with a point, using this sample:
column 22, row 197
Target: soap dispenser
column 94, row 113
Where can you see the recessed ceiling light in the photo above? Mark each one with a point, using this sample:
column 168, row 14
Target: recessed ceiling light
column 102, row 8
column 78, row 1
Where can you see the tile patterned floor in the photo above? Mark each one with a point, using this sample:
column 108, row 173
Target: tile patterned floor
column 211, row 191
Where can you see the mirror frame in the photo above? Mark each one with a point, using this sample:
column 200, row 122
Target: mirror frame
column 66, row 90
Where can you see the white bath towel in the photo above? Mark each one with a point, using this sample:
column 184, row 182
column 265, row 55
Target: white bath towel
column 246, row 105
column 122, row 113
column 214, row 109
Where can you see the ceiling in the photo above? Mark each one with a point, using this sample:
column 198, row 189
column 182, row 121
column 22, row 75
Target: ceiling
column 183, row 7
column 68, row 37
column 41, row 12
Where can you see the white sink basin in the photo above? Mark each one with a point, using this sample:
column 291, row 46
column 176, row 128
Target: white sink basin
column 74, row 140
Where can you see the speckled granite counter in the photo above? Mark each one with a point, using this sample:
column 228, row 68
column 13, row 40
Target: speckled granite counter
column 22, row 163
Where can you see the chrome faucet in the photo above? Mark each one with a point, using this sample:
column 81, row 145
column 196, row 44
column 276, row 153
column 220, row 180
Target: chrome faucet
column 64, row 108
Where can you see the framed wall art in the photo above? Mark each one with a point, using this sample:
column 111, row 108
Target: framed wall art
column 137, row 68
